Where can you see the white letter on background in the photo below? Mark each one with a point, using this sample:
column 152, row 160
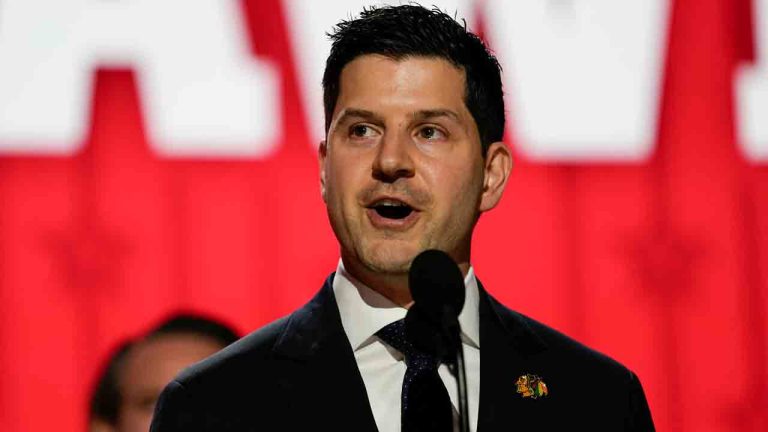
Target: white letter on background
column 752, row 91
column 204, row 95
column 583, row 77
column 309, row 21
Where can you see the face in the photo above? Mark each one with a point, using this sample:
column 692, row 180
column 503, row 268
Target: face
column 149, row 367
column 402, row 169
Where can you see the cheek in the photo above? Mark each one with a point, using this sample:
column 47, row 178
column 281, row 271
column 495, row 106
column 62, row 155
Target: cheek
column 457, row 184
column 342, row 191
column 342, row 184
column 346, row 170
column 336, row 183
column 458, row 195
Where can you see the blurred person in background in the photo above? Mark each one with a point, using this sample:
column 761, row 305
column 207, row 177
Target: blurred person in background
column 135, row 374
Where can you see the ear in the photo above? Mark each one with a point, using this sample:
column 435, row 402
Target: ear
column 498, row 164
column 322, row 152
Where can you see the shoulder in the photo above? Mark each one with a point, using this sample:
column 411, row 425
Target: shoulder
column 266, row 354
column 209, row 394
column 550, row 345
column 578, row 371
column 567, row 348
column 259, row 370
column 237, row 360
column 587, row 386
column 219, row 393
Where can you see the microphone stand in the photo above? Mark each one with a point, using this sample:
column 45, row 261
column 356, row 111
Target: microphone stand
column 461, row 381
column 460, row 373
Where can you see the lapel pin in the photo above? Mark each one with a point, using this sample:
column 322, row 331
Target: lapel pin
column 531, row 386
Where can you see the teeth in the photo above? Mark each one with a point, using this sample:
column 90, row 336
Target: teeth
column 391, row 203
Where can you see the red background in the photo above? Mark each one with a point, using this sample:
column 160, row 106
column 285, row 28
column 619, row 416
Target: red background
column 663, row 265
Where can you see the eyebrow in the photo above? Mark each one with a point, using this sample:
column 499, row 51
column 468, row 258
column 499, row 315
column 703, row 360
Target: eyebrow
column 428, row 114
column 418, row 115
column 359, row 113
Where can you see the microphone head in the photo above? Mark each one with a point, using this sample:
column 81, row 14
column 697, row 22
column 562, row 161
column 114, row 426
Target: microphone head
column 437, row 288
column 436, row 282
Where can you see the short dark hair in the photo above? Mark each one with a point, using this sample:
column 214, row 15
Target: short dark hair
column 197, row 326
column 412, row 30
column 107, row 397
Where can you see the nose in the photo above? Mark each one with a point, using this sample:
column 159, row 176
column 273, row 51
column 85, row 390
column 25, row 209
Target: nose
column 393, row 159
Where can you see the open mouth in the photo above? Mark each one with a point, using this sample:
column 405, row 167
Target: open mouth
column 392, row 209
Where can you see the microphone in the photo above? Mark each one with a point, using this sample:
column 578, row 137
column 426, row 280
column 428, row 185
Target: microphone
column 437, row 289
column 432, row 322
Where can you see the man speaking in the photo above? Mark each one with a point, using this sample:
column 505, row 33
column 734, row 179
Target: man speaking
column 413, row 155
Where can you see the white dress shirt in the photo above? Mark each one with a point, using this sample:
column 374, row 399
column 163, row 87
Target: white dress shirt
column 365, row 311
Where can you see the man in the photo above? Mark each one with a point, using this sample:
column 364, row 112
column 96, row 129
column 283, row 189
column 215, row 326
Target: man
column 125, row 395
column 412, row 157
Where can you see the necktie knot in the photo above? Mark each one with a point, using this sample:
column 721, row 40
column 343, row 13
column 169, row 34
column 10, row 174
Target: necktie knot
column 394, row 335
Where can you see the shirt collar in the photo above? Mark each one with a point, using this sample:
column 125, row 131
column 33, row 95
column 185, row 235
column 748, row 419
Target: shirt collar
column 364, row 311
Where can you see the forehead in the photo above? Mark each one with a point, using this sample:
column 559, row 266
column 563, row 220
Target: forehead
column 413, row 83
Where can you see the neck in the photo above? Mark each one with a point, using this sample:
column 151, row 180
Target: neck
column 393, row 286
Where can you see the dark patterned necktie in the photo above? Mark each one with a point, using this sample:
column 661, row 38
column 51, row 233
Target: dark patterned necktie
column 426, row 405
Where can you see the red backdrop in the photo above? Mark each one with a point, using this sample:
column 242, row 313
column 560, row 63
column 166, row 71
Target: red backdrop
column 663, row 265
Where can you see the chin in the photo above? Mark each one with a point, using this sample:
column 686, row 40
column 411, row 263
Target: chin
column 389, row 259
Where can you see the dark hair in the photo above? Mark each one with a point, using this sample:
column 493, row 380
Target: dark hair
column 195, row 325
column 107, row 398
column 412, row 30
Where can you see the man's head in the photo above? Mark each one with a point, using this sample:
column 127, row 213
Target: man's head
column 413, row 150
column 399, row 32
column 138, row 370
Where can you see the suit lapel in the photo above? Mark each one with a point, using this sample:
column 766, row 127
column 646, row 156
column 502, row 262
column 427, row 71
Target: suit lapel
column 507, row 348
column 327, row 386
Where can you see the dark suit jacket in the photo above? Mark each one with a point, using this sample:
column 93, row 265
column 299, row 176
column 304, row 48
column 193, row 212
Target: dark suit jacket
column 299, row 374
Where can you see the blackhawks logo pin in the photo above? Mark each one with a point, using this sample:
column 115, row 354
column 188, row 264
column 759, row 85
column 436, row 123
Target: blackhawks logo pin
column 531, row 386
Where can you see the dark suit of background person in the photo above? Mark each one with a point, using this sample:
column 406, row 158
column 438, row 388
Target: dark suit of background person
column 413, row 156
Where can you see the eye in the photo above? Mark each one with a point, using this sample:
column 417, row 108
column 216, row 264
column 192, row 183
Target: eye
column 431, row 133
column 361, row 131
